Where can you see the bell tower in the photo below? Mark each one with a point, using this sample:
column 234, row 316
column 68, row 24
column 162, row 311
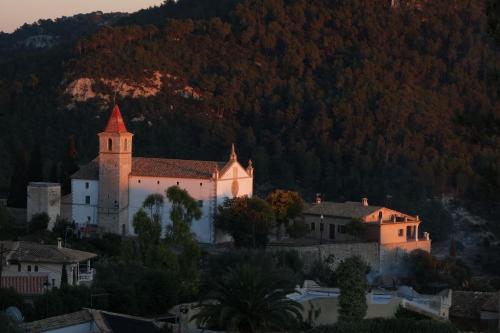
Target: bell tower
column 115, row 166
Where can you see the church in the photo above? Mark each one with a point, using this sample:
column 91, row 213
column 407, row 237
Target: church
column 109, row 190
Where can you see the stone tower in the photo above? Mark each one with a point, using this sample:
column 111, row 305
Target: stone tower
column 115, row 165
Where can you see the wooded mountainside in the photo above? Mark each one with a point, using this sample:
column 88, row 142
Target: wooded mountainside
column 345, row 98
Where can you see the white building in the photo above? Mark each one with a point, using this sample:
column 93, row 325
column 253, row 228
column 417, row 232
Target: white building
column 108, row 191
column 44, row 198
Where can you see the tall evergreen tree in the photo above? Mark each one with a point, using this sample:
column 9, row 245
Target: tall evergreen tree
column 18, row 182
column 35, row 166
column 69, row 165
column 351, row 277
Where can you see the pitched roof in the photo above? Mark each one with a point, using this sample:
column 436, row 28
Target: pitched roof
column 115, row 122
column 162, row 167
column 56, row 322
column 89, row 171
column 349, row 209
column 469, row 304
column 33, row 252
column 27, row 285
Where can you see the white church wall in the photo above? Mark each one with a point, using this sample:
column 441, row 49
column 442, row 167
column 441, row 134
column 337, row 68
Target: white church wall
column 85, row 200
column 199, row 189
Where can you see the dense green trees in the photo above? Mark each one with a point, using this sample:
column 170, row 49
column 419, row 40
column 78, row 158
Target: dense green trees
column 248, row 220
column 388, row 326
column 315, row 92
column 286, row 206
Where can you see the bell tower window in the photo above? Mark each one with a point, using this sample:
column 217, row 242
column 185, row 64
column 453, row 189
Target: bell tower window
column 110, row 144
column 126, row 144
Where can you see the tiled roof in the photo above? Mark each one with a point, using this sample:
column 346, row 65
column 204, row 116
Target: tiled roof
column 349, row 209
column 34, row 252
column 26, row 285
column 56, row 322
column 115, row 122
column 89, row 171
column 157, row 167
column 162, row 167
column 469, row 304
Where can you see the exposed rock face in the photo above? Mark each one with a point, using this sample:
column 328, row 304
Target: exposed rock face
column 83, row 89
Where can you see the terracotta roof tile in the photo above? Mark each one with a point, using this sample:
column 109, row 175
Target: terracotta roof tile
column 89, row 171
column 56, row 322
column 157, row 167
column 115, row 122
column 26, row 285
column 349, row 209
column 162, row 167
column 34, row 252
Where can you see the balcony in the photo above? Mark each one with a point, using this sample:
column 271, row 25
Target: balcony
column 86, row 275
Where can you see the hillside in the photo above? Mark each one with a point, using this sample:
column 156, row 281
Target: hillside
column 346, row 98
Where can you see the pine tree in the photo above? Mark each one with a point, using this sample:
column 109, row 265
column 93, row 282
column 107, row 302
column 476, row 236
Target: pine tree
column 18, row 182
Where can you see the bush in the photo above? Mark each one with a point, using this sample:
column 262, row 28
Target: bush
column 38, row 222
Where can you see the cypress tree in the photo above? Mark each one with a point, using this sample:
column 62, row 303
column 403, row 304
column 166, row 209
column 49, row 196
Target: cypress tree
column 351, row 277
column 35, row 166
column 69, row 166
column 18, row 182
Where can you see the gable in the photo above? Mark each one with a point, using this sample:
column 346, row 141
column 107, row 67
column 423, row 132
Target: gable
column 233, row 170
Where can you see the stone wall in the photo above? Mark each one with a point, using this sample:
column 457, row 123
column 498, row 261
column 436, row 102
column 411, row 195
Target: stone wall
column 335, row 253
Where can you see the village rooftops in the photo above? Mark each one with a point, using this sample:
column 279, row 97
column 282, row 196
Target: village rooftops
column 158, row 167
column 34, row 252
column 102, row 321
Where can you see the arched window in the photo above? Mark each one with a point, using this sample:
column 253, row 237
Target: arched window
column 110, row 144
column 380, row 216
column 126, row 144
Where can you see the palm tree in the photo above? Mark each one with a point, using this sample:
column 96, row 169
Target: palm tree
column 249, row 300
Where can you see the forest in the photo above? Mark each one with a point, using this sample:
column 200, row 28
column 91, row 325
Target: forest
column 344, row 98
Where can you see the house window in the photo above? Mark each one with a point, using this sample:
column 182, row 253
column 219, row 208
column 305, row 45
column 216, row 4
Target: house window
column 53, row 282
column 139, row 181
column 313, row 226
column 177, row 183
column 29, row 268
column 87, row 185
column 158, row 182
column 341, row 229
column 110, row 144
column 87, row 199
column 88, row 219
column 18, row 267
column 400, row 232
column 200, row 203
column 201, row 184
column 331, row 234
column 36, row 268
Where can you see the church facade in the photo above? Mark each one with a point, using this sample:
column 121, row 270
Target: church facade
column 109, row 190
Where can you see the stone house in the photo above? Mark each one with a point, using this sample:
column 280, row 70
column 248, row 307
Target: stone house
column 31, row 268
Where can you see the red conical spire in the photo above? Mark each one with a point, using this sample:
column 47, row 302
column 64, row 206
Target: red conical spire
column 115, row 122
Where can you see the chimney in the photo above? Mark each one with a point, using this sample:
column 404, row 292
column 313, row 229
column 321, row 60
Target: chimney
column 364, row 202
column 318, row 198
column 59, row 242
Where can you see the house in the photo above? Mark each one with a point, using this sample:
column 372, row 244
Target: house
column 383, row 239
column 328, row 221
column 471, row 310
column 109, row 190
column 92, row 321
column 31, row 268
